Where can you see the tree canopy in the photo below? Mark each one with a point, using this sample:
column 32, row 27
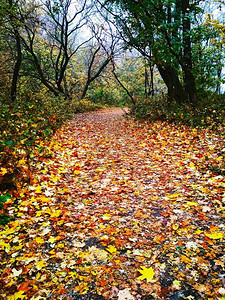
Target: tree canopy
column 177, row 38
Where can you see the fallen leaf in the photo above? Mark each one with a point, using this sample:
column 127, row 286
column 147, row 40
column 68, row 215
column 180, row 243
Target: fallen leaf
column 147, row 273
column 214, row 235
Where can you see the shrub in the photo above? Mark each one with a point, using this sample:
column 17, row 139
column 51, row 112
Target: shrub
column 85, row 105
column 4, row 218
column 23, row 124
column 210, row 111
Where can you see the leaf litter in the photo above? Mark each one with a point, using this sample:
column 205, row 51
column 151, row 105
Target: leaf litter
column 119, row 209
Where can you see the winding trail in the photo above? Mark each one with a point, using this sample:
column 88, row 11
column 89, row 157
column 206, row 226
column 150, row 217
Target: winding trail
column 110, row 198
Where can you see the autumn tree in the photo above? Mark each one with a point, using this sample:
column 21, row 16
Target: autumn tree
column 164, row 32
column 57, row 30
column 11, row 26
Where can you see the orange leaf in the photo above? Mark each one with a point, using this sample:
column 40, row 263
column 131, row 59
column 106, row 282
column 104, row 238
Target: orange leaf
column 24, row 287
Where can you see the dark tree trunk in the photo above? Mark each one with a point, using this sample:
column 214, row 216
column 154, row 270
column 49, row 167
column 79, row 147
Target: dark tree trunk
column 39, row 69
column 152, row 91
column 175, row 89
column 149, row 80
column 189, row 79
column 17, row 65
column 218, row 85
column 123, row 86
column 146, row 82
column 18, row 62
column 90, row 77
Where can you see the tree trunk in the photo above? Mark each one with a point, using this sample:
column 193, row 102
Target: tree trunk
column 17, row 66
column 152, row 91
column 218, row 85
column 175, row 89
column 92, row 78
column 189, row 79
column 146, row 82
column 121, row 84
column 18, row 62
column 40, row 72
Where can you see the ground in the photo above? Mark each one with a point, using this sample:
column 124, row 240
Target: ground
column 119, row 209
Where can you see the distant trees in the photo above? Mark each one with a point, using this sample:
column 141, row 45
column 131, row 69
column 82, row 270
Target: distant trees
column 10, row 26
column 56, row 28
column 45, row 37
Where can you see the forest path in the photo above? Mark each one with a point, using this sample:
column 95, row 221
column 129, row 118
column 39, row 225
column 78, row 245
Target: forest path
column 114, row 199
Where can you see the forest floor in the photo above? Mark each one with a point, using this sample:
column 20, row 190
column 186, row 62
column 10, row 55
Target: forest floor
column 119, row 209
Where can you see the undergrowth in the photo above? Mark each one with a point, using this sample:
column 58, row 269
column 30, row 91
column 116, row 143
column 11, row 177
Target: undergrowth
column 209, row 112
column 85, row 105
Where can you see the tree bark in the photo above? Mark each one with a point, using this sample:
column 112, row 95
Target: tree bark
column 189, row 79
column 17, row 65
column 91, row 78
column 18, row 62
column 152, row 90
column 121, row 84
column 175, row 89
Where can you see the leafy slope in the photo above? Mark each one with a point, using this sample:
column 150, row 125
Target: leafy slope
column 120, row 209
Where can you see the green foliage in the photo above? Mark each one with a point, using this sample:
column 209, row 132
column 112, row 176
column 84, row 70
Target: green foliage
column 85, row 105
column 168, row 34
column 151, row 108
column 3, row 199
column 4, row 219
column 104, row 96
column 131, row 72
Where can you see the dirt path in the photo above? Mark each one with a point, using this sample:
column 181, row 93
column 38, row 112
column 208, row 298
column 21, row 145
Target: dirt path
column 114, row 199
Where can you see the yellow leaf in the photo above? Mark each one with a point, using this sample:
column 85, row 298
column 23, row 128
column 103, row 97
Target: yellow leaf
column 4, row 245
column 176, row 284
column 39, row 213
column 198, row 231
column 147, row 273
column 56, row 213
column 39, row 240
column 3, row 171
column 185, row 259
column 55, row 178
column 52, row 239
column 106, row 217
column 173, row 196
column 100, row 170
column 18, row 295
column 73, row 274
column 21, row 162
column 189, row 203
column 76, row 172
column 220, row 158
column 215, row 235
column 38, row 189
column 175, row 227
column 41, row 264
column 111, row 249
